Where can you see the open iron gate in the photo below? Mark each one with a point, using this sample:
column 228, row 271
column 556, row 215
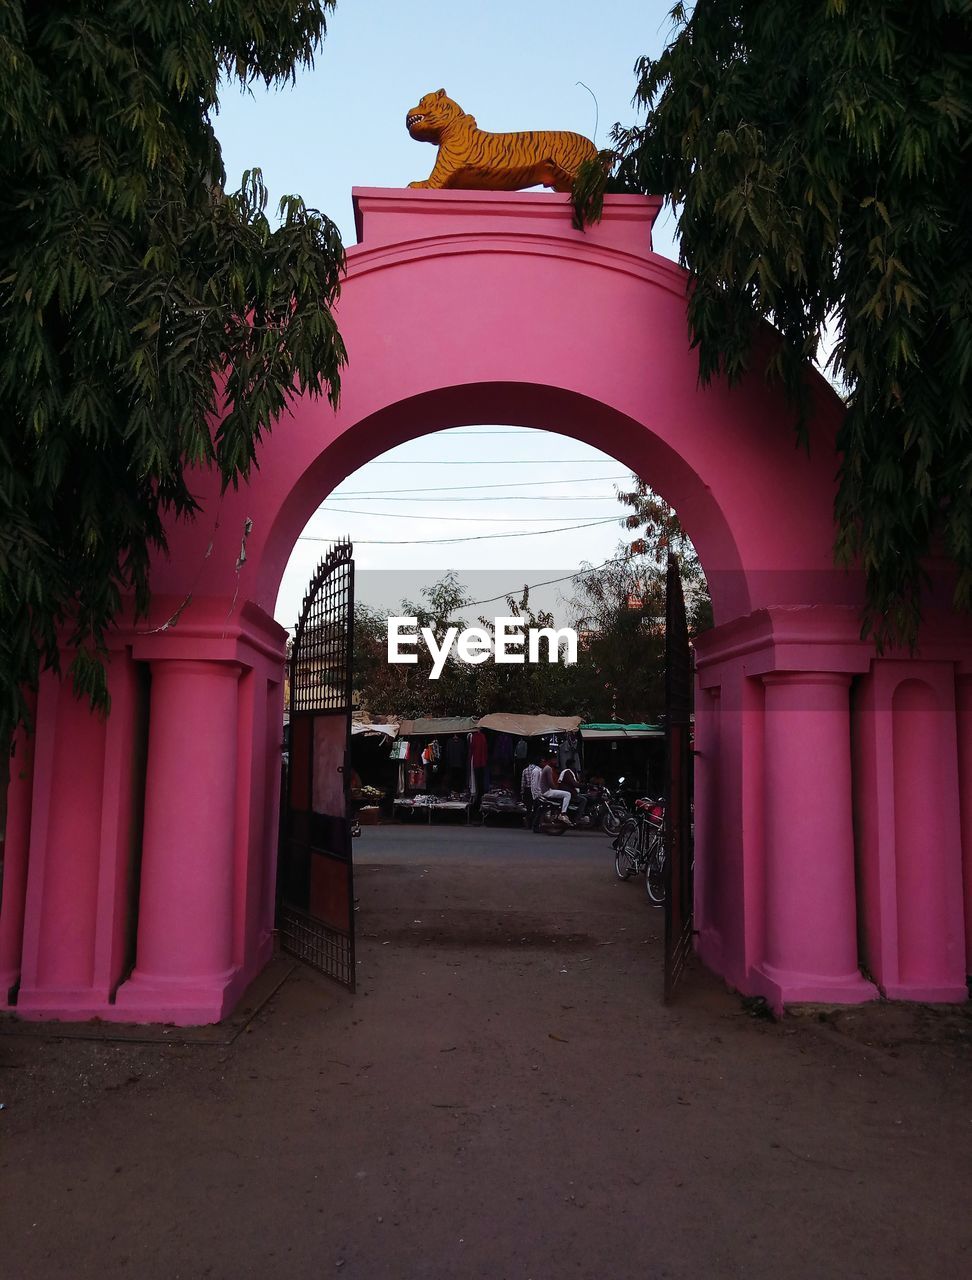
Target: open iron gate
column 679, row 859
column 315, row 879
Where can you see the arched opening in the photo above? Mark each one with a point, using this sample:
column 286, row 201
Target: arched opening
column 513, row 723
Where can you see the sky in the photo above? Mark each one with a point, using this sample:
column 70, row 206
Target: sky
column 513, row 66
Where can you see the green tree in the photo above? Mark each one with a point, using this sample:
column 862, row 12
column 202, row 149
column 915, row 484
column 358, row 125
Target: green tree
column 818, row 154
column 140, row 303
column 619, row 612
column 532, row 688
column 405, row 689
column 660, row 531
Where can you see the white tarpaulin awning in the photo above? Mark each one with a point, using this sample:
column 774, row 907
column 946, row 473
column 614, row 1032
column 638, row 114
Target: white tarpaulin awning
column 529, row 726
column 381, row 730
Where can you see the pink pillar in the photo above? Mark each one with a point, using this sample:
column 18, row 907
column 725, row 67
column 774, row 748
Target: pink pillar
column 184, row 967
column 15, row 848
column 810, row 904
column 963, row 716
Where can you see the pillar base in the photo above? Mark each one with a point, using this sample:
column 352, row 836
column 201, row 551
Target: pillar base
column 185, row 1003
column 61, row 1003
column 8, row 981
column 948, row 993
column 781, row 988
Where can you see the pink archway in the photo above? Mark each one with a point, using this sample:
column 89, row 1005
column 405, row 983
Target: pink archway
column 465, row 307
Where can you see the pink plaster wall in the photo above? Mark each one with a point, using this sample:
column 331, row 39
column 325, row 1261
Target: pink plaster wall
column 462, row 308
column 13, row 891
column 478, row 310
column 908, row 816
column 964, row 725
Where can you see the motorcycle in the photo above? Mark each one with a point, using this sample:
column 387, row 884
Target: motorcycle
column 605, row 809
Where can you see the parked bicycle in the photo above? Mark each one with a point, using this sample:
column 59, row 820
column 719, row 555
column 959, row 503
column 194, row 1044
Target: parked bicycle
column 639, row 848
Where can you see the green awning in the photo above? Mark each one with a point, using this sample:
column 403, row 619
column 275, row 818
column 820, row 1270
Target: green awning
column 591, row 732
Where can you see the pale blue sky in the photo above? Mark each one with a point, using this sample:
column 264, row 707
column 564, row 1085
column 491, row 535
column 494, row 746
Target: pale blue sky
column 513, row 66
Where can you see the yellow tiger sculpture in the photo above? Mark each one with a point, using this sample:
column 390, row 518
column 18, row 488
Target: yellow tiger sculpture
column 473, row 160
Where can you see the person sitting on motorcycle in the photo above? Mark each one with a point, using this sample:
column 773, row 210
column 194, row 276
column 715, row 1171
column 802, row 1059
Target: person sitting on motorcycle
column 568, row 781
column 549, row 792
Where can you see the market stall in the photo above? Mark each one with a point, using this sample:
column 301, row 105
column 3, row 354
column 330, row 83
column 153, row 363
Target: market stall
column 514, row 741
column 635, row 752
column 374, row 772
column 435, row 762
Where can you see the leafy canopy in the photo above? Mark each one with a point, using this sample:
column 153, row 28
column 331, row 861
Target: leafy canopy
column 140, row 303
column 818, row 153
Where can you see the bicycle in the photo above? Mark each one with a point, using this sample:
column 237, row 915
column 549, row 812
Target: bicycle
column 640, row 848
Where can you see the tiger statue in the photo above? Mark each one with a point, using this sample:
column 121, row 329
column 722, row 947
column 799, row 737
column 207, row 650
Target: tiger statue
column 473, row 160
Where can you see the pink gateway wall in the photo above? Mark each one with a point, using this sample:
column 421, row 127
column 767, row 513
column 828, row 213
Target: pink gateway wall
column 816, row 758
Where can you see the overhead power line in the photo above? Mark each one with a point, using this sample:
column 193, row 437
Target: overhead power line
column 532, row 586
column 412, row 515
column 482, row 537
column 483, row 462
column 493, row 497
column 455, row 488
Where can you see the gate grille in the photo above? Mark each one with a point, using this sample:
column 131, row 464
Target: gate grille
column 679, row 861
column 315, row 899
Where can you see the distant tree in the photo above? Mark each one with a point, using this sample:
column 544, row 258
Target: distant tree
column 533, row 688
column 405, row 689
column 659, row 531
column 817, row 153
column 140, row 303
column 619, row 610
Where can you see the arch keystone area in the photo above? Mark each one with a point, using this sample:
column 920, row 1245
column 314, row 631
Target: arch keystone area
column 468, row 307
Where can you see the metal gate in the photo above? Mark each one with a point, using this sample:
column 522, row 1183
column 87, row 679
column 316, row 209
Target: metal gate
column 315, row 879
column 679, row 860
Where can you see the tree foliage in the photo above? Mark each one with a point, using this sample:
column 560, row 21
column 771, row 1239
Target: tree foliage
column 150, row 322
column 617, row 608
column 660, row 531
column 818, row 154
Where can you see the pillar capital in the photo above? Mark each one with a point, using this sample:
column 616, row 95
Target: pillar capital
column 173, row 664
column 838, row 679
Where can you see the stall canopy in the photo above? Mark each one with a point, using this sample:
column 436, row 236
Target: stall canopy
column 530, row 726
column 433, row 726
column 374, row 729
column 590, row 732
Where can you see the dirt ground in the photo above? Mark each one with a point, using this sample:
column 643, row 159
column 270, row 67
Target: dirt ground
column 505, row 1097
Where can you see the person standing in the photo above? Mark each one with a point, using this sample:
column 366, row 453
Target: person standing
column 530, row 789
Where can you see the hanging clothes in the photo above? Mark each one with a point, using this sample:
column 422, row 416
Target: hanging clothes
column 502, row 757
column 455, row 752
column 568, row 752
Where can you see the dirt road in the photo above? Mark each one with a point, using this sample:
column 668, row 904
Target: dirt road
column 506, row 1096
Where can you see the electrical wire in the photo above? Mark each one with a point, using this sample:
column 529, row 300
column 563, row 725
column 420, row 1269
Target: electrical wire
column 455, row 488
column 516, row 431
column 496, row 497
column 484, row 462
column 482, row 537
column 412, row 515
column 532, row 586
